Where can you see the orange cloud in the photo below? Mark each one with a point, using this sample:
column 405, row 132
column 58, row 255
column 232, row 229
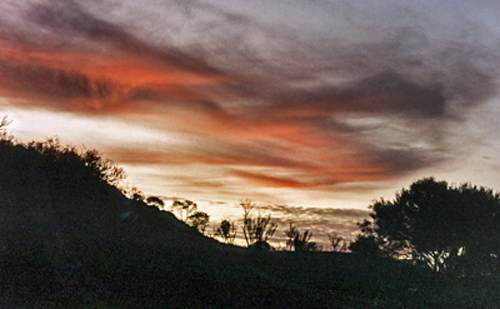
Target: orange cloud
column 81, row 81
column 272, row 181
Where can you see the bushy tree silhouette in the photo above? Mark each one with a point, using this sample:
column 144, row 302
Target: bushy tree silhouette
column 446, row 227
column 199, row 221
column 226, row 231
column 5, row 137
column 184, row 208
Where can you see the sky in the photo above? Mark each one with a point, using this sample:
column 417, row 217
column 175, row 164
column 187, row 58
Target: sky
column 313, row 109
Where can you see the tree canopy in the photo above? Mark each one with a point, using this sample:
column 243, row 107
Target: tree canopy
column 448, row 227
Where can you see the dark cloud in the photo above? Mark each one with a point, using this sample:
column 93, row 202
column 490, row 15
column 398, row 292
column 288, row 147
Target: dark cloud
column 35, row 80
column 410, row 70
column 394, row 162
column 69, row 20
column 77, row 85
column 401, row 162
column 383, row 93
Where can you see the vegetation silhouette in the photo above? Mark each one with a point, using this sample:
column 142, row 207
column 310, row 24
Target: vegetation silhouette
column 72, row 237
column 257, row 230
column 226, row 231
column 184, row 208
column 188, row 212
column 199, row 221
column 338, row 243
column 299, row 241
column 365, row 245
column 449, row 228
column 155, row 201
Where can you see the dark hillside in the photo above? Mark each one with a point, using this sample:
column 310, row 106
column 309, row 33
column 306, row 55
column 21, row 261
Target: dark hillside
column 50, row 193
column 70, row 239
column 58, row 210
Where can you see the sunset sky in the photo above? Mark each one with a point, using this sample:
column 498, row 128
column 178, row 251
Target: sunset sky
column 311, row 108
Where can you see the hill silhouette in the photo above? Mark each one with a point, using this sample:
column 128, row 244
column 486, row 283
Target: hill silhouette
column 69, row 238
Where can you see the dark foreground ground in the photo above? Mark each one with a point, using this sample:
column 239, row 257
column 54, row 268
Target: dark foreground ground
column 128, row 275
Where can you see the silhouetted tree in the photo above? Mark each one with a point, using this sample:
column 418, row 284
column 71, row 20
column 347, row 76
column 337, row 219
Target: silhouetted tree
column 446, row 227
column 70, row 170
column 226, row 231
column 299, row 241
column 199, row 221
column 184, row 208
column 338, row 242
column 258, row 230
column 247, row 205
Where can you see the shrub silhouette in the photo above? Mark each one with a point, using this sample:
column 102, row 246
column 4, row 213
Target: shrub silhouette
column 299, row 241
column 258, row 230
column 447, row 227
